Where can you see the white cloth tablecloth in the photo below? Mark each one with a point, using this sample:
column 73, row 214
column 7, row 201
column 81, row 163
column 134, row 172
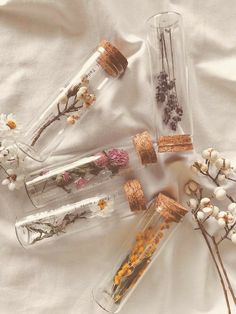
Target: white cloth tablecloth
column 42, row 44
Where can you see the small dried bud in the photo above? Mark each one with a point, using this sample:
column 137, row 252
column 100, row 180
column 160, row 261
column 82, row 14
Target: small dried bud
column 71, row 120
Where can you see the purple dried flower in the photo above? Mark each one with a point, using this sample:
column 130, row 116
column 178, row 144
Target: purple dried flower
column 118, row 157
column 79, row 183
column 102, row 160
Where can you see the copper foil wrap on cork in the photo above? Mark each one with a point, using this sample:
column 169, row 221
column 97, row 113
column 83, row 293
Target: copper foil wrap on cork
column 135, row 195
column 144, row 147
column 111, row 59
column 175, row 143
column 169, row 209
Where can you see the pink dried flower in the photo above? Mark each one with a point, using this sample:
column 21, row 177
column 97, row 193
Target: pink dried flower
column 118, row 157
column 102, row 160
column 79, row 183
column 66, row 176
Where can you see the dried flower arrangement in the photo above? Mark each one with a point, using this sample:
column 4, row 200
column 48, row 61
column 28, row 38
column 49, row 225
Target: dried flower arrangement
column 166, row 92
column 47, row 224
column 106, row 163
column 162, row 216
column 11, row 162
column 215, row 224
column 71, row 105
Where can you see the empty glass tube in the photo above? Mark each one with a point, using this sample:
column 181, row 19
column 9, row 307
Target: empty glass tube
column 73, row 102
column 50, row 224
column 165, row 41
column 48, row 185
column 138, row 253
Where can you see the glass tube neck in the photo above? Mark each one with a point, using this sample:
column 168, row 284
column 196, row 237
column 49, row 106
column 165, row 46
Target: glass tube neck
column 164, row 20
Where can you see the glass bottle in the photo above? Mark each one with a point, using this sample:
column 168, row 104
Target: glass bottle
column 45, row 225
column 48, row 185
column 165, row 41
column 73, row 102
column 138, row 253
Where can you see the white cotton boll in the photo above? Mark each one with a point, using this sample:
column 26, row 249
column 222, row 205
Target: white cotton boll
column 220, row 193
column 200, row 215
column 193, row 203
column 207, row 210
column 206, row 153
column 214, row 155
column 232, row 207
column 205, row 201
column 5, row 182
column 222, row 214
column 233, row 238
column 11, row 186
column 221, row 177
column 215, row 211
column 221, row 222
column 219, row 163
column 227, row 164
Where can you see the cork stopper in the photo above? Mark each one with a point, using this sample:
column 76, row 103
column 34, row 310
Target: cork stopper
column 144, row 147
column 175, row 143
column 111, row 59
column 169, row 209
column 135, row 195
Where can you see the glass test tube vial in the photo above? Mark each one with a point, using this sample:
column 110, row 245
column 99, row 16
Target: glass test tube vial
column 165, row 41
column 45, row 225
column 73, row 102
column 59, row 182
column 138, row 253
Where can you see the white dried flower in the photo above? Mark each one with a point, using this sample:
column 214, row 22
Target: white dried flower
column 13, row 180
column 220, row 193
column 200, row 215
column 8, row 125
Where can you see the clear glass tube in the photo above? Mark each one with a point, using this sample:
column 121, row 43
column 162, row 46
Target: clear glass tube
column 165, row 41
column 138, row 253
column 45, row 225
column 59, row 182
column 48, row 129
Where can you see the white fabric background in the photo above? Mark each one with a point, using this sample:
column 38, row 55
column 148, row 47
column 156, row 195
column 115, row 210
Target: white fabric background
column 42, row 44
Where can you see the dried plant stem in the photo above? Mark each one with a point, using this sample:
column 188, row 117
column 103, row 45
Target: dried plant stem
column 224, row 270
column 203, row 231
column 71, row 108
